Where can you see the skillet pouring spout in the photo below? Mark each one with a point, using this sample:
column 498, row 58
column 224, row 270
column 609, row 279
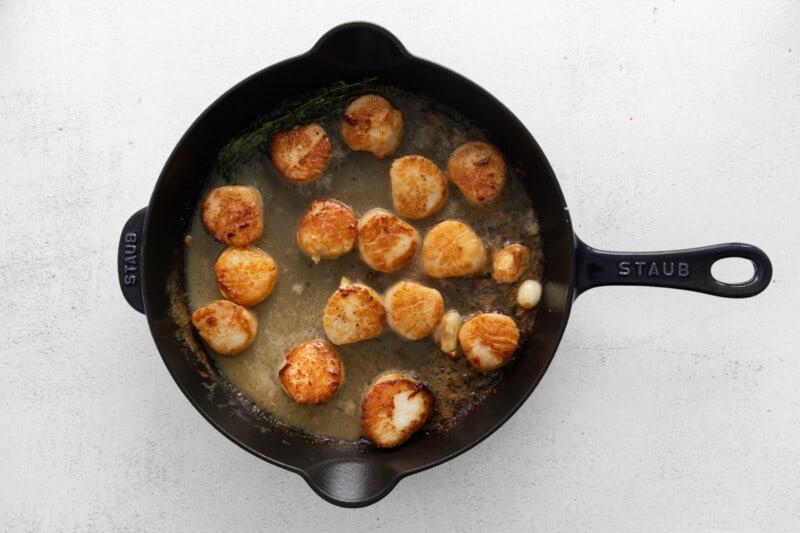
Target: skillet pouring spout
column 689, row 269
column 352, row 482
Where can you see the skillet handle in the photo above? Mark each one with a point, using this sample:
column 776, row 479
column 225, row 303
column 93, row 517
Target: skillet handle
column 680, row 269
column 129, row 260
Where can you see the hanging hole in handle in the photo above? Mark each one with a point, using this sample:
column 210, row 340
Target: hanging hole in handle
column 733, row 270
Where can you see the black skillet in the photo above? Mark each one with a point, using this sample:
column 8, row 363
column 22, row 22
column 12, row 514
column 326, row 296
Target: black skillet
column 358, row 474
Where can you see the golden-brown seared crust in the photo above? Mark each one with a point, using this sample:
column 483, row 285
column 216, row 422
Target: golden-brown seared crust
column 327, row 230
column 413, row 310
column 245, row 275
column 385, row 242
column 371, row 124
column 353, row 313
column 419, row 187
column 312, row 372
column 478, row 170
column 510, row 263
column 302, row 153
column 395, row 407
column 228, row 328
column 452, row 249
column 489, row 340
column 232, row 213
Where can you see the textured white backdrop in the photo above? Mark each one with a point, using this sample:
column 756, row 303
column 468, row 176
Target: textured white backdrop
column 669, row 124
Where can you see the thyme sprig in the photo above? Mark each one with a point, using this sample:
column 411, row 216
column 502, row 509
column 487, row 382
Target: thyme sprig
column 324, row 105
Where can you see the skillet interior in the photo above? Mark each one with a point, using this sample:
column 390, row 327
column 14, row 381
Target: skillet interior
column 350, row 474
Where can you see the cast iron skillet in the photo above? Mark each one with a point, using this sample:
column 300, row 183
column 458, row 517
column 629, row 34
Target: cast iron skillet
column 358, row 474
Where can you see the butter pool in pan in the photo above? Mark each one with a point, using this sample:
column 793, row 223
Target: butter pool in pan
column 292, row 314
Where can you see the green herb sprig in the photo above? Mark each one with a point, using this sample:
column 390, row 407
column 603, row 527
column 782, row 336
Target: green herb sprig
column 324, row 105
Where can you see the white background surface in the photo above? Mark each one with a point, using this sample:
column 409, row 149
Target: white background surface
column 668, row 123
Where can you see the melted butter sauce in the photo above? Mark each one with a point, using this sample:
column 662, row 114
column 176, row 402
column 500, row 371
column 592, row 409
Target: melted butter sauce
column 292, row 314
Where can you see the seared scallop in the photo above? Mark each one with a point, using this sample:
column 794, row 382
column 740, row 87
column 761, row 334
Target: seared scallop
column 394, row 408
column 232, row 213
column 385, row 242
column 478, row 170
column 419, row 187
column 452, row 249
column 371, row 124
column 245, row 275
column 489, row 340
column 228, row 328
column 327, row 230
column 302, row 153
column 353, row 313
column 510, row 263
column 312, row 372
column 413, row 310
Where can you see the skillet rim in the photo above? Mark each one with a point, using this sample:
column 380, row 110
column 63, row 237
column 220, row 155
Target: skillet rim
column 389, row 471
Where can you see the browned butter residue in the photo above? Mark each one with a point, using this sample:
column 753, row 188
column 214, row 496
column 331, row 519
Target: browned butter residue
column 292, row 314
